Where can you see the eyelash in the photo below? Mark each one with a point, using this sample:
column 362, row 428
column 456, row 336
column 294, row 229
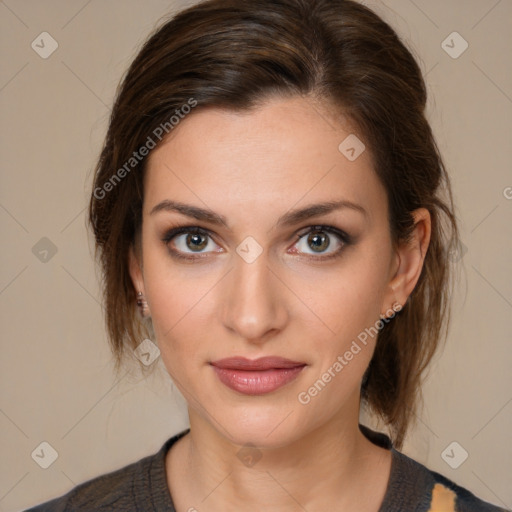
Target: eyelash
column 343, row 237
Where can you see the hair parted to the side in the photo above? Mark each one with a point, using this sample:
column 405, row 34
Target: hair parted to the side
column 235, row 54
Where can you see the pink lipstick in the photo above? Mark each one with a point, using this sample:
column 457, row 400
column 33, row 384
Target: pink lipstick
column 258, row 376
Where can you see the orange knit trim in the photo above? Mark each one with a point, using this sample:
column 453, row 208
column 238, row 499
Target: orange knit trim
column 443, row 499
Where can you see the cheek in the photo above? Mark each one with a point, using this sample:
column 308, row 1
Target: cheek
column 180, row 299
column 344, row 299
column 350, row 306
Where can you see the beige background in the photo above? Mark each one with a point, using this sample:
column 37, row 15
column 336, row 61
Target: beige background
column 57, row 383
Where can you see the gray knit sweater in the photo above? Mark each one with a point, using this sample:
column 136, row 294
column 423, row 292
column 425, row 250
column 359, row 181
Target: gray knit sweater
column 142, row 487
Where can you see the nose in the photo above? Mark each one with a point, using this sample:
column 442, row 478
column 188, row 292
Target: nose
column 254, row 305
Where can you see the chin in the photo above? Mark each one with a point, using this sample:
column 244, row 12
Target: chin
column 265, row 427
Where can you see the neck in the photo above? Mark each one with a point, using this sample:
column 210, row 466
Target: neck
column 333, row 463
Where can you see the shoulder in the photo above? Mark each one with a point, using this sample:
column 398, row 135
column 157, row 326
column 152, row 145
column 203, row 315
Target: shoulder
column 141, row 485
column 465, row 501
column 414, row 487
column 111, row 491
column 431, row 490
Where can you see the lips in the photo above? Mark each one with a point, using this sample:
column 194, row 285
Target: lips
column 263, row 363
column 256, row 376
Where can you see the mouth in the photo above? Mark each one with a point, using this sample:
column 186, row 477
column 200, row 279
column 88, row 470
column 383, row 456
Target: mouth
column 258, row 376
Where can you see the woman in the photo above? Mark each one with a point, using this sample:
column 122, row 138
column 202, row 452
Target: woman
column 270, row 198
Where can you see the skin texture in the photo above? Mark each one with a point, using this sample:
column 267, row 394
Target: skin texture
column 252, row 168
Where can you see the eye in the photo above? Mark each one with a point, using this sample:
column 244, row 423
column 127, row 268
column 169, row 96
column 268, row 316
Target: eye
column 191, row 240
column 316, row 241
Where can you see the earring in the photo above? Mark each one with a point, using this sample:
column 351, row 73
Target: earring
column 142, row 305
column 392, row 312
column 397, row 307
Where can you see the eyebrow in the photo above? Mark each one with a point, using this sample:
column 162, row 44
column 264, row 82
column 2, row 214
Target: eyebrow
column 290, row 218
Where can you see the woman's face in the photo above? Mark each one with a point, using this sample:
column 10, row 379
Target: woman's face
column 268, row 271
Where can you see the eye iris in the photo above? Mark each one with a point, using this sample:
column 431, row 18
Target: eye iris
column 196, row 241
column 319, row 240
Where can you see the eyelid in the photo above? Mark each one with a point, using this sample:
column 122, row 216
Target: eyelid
column 328, row 229
column 186, row 228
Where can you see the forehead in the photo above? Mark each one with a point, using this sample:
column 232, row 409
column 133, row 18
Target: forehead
column 285, row 152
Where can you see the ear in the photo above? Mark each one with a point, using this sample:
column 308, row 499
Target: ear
column 409, row 261
column 135, row 269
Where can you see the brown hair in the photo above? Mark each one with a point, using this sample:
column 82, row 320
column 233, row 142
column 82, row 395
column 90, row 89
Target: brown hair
column 236, row 53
